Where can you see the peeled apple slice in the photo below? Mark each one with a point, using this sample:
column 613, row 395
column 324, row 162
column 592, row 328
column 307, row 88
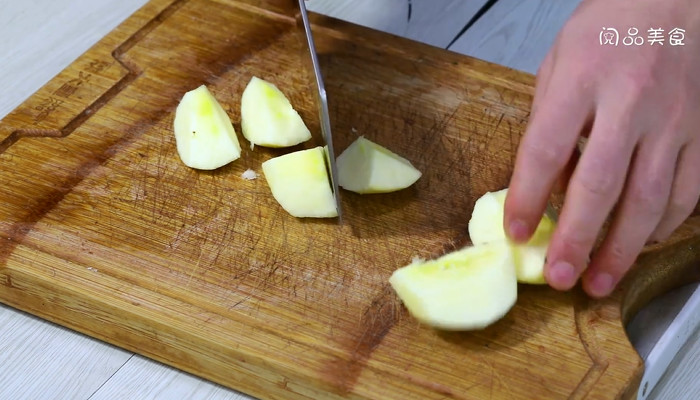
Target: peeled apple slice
column 366, row 167
column 204, row 135
column 464, row 290
column 486, row 226
column 299, row 182
column 268, row 118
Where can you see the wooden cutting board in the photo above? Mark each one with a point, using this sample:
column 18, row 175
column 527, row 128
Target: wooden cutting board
column 104, row 230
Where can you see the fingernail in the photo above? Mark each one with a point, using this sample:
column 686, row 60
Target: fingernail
column 562, row 274
column 601, row 285
column 519, row 230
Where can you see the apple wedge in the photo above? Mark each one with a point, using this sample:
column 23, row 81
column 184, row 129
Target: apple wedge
column 268, row 118
column 204, row 135
column 467, row 289
column 366, row 167
column 486, row 226
column 300, row 184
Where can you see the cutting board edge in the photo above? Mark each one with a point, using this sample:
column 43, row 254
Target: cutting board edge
column 14, row 292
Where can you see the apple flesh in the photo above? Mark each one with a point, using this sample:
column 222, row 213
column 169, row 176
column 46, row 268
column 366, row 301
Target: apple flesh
column 366, row 167
column 486, row 226
column 300, row 184
column 268, row 118
column 467, row 289
column 204, row 136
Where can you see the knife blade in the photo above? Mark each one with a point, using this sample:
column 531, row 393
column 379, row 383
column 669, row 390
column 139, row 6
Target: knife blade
column 313, row 70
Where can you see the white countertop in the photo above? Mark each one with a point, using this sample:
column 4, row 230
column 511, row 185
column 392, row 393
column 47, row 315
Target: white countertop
column 40, row 360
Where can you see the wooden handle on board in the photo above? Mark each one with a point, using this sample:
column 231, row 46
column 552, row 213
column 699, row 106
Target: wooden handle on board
column 658, row 270
column 662, row 268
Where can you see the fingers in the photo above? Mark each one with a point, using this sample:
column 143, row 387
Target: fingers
column 684, row 192
column 544, row 73
column 560, row 113
column 591, row 195
column 639, row 211
column 562, row 182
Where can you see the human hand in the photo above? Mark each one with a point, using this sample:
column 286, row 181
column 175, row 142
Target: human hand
column 639, row 106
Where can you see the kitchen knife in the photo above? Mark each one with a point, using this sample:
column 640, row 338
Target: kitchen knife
column 313, row 70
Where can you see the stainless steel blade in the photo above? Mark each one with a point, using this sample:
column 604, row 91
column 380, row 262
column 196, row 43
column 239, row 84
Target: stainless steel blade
column 551, row 212
column 321, row 103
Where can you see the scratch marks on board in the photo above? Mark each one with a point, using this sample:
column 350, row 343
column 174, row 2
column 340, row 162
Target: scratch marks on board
column 377, row 320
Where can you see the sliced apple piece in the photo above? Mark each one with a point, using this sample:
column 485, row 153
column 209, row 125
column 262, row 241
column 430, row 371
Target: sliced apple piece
column 299, row 182
column 204, row 135
column 366, row 167
column 486, row 226
column 467, row 289
column 268, row 118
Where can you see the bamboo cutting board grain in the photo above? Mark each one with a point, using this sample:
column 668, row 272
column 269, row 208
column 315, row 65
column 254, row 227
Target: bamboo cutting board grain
column 104, row 230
